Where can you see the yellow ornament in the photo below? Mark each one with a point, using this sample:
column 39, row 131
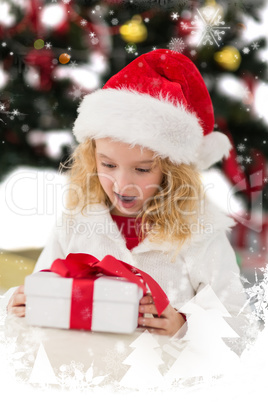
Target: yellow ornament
column 134, row 30
column 228, row 58
column 39, row 44
column 64, row 58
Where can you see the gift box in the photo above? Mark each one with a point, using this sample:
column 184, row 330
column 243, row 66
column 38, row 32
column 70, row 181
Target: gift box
column 82, row 292
column 115, row 303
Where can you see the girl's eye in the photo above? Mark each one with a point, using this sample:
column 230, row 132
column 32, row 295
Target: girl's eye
column 144, row 170
column 140, row 170
column 107, row 165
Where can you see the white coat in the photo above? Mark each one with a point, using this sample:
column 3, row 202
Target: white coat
column 207, row 259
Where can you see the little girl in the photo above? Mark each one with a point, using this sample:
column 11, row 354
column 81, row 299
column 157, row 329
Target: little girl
column 135, row 188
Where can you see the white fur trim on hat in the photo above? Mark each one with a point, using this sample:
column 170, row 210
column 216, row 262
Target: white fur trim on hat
column 140, row 119
column 213, row 148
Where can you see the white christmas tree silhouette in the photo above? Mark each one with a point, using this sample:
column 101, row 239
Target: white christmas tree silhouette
column 144, row 361
column 204, row 353
column 42, row 372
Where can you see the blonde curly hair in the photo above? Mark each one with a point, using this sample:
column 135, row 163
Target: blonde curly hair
column 168, row 216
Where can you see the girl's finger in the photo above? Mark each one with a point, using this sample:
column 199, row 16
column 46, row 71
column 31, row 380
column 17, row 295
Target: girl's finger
column 18, row 311
column 19, row 300
column 19, row 290
column 157, row 323
column 148, row 308
column 147, row 299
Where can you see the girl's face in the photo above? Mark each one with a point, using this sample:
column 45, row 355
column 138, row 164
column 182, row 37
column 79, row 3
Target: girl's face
column 127, row 175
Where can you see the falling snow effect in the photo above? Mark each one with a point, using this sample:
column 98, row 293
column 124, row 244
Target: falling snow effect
column 209, row 25
column 175, row 16
column 255, row 45
column 248, row 160
column 241, row 147
column 77, row 93
column 258, row 295
column 74, row 376
column 130, row 48
column 176, row 45
column 246, row 50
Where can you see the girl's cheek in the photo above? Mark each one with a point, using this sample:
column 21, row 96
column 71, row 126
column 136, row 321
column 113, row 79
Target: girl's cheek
column 105, row 180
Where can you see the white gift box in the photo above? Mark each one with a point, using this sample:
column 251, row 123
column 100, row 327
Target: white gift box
column 115, row 302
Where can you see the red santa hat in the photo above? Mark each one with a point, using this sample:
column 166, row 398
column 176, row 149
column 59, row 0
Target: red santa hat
column 158, row 101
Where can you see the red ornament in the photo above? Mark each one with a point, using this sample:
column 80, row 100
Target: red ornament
column 42, row 59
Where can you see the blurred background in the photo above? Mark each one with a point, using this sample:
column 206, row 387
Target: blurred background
column 53, row 52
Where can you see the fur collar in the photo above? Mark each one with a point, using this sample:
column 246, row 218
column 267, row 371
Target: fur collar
column 211, row 220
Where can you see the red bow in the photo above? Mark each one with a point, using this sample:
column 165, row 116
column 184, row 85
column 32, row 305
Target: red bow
column 84, row 266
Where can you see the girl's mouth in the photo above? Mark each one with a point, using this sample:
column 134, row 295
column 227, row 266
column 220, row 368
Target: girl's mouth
column 126, row 201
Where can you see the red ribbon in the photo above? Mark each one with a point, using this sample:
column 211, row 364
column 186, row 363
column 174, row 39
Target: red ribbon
column 85, row 269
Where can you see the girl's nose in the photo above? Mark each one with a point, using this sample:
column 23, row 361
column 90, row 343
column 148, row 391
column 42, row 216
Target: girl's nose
column 122, row 183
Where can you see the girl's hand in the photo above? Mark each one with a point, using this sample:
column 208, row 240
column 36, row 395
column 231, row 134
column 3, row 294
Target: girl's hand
column 168, row 323
column 17, row 302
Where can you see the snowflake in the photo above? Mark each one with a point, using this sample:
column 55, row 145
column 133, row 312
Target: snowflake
column 241, row 147
column 83, row 23
column 246, row 50
column 73, row 64
column 258, row 295
column 111, row 12
column 74, row 376
column 239, row 158
column 94, row 41
column 184, row 26
column 2, row 106
column 248, row 159
column 48, row 45
column 146, row 20
column 255, row 45
column 209, row 24
column 265, row 180
column 130, row 48
column 175, row 16
column 176, row 45
column 114, row 21
column 113, row 362
column 25, row 128
column 77, row 93
column 4, row 44
column 15, row 112
column 92, row 35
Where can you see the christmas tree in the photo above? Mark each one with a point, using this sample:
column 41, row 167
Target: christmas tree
column 53, row 52
column 42, row 372
column 144, row 361
column 203, row 353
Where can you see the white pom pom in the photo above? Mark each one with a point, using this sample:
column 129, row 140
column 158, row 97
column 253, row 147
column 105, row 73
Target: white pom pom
column 214, row 147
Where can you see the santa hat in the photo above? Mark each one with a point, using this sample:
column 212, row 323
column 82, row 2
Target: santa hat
column 158, row 101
